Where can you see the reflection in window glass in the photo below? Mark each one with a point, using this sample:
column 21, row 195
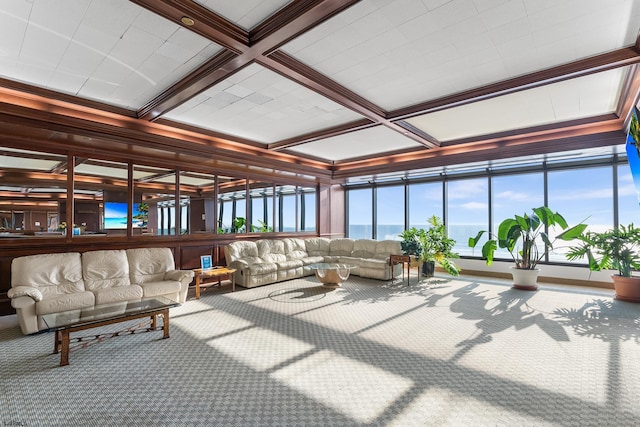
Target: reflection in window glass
column 425, row 200
column 360, row 218
column 584, row 194
column 390, row 211
column 515, row 195
column 628, row 198
column 468, row 212
column 308, row 209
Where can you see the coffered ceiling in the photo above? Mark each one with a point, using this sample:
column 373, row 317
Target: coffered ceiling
column 334, row 87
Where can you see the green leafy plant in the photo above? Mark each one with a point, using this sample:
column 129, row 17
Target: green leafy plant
column 431, row 244
column 262, row 228
column 614, row 249
column 437, row 246
column 409, row 243
column 520, row 236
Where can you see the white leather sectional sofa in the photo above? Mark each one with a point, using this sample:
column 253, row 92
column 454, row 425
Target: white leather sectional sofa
column 267, row 261
column 53, row 283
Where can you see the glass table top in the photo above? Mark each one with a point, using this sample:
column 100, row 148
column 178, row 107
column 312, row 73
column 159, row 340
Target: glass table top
column 98, row 313
column 331, row 266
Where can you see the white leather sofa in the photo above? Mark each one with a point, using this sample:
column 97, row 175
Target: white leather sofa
column 265, row 261
column 53, row 283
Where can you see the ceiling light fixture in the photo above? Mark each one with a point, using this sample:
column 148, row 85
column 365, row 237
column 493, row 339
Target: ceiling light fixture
column 187, row 21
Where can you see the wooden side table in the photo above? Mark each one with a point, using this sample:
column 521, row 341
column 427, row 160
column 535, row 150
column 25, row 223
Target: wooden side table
column 216, row 273
column 401, row 259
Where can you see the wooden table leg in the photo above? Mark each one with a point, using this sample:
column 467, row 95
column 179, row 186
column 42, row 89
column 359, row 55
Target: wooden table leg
column 165, row 314
column 64, row 354
column 408, row 273
column 198, row 287
column 56, row 344
column 153, row 323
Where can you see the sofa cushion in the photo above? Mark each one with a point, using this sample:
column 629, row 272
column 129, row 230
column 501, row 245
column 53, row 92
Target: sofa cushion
column 52, row 274
column 118, row 293
column 149, row 264
column 341, row 247
column 312, row 260
column 164, row 287
column 364, row 248
column 65, row 302
column 295, row 248
column 271, row 250
column 105, row 269
column 317, row 246
column 263, row 268
column 384, row 248
column 240, row 250
column 287, row 265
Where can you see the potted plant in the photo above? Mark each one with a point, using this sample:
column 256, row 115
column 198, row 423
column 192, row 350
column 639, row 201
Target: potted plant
column 614, row 249
column 409, row 242
column 436, row 248
column 521, row 236
column 430, row 247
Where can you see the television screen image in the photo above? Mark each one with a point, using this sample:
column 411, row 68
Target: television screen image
column 115, row 215
column 633, row 149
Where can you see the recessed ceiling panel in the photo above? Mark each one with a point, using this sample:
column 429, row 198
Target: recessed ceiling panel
column 109, row 51
column 403, row 52
column 246, row 13
column 260, row 105
column 577, row 98
column 365, row 142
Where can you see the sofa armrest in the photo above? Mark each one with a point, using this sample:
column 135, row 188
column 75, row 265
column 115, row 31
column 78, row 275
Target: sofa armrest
column 183, row 276
column 25, row 291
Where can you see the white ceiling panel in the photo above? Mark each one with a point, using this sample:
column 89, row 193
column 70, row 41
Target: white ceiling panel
column 577, row 98
column 396, row 59
column 110, row 51
column 365, row 142
column 246, row 13
column 262, row 106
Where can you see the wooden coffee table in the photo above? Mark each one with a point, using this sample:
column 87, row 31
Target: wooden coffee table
column 64, row 323
column 216, row 273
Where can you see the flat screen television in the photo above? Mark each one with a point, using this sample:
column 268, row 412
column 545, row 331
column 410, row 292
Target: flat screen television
column 115, row 215
column 633, row 148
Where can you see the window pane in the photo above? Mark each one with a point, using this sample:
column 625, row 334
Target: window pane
column 154, row 189
column 515, row 195
column 425, row 200
column 286, row 208
column 307, row 209
column 628, row 207
column 390, row 208
column 468, row 212
column 360, row 214
column 261, row 208
column 581, row 195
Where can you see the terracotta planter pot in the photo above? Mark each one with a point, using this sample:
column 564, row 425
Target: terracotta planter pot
column 627, row 288
column 525, row 280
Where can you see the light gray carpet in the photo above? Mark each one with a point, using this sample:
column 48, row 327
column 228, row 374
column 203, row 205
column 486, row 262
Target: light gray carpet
column 440, row 352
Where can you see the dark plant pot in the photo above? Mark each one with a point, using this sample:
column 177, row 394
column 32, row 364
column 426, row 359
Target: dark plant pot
column 428, row 267
column 627, row 288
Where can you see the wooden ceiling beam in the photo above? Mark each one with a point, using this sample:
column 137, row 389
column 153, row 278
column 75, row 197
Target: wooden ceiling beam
column 295, row 70
column 295, row 18
column 607, row 61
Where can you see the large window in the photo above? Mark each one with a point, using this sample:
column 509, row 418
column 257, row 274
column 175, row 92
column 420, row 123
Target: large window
column 481, row 199
column 360, row 218
column 628, row 197
column 425, row 200
column 468, row 210
column 515, row 195
column 584, row 194
column 390, row 218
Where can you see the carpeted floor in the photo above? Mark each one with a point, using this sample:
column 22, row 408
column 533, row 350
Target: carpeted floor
column 440, row 352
